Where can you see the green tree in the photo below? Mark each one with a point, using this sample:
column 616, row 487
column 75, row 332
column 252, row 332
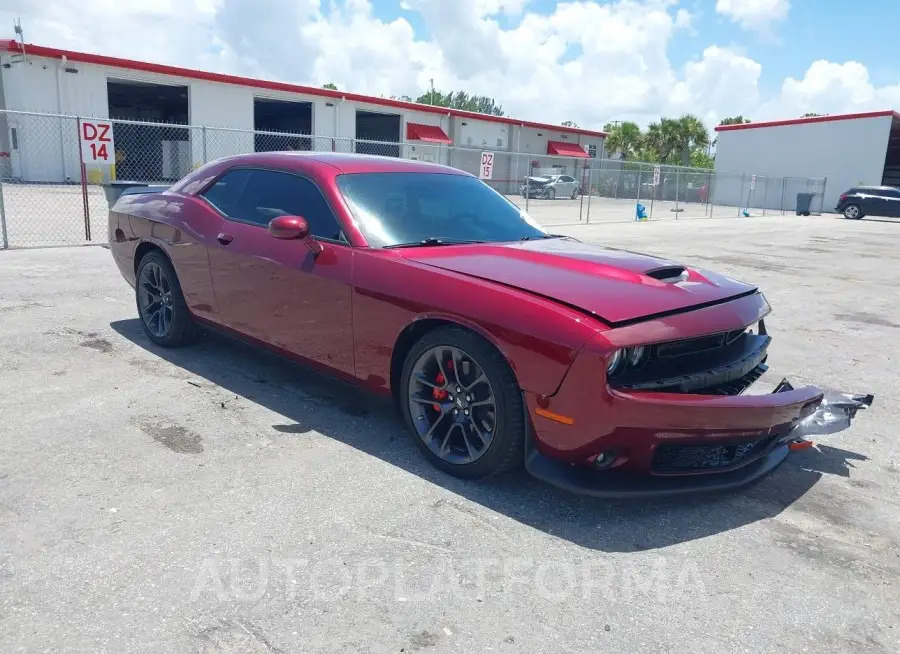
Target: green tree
column 331, row 86
column 672, row 140
column 625, row 138
column 569, row 123
column 812, row 115
column 690, row 134
column 734, row 120
column 463, row 101
column 659, row 141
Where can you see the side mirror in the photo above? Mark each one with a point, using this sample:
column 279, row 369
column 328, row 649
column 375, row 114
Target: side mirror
column 290, row 228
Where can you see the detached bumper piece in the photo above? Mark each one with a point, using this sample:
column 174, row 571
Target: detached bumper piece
column 835, row 413
column 713, row 468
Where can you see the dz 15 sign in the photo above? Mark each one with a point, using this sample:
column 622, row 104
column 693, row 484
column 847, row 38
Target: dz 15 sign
column 486, row 171
column 96, row 138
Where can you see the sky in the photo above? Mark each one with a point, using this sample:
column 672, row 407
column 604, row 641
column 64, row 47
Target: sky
column 589, row 61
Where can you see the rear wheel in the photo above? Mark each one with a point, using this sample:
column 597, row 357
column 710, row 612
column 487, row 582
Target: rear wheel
column 852, row 212
column 163, row 312
column 575, row 194
column 462, row 404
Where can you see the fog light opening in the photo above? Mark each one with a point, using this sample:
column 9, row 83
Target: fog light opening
column 604, row 460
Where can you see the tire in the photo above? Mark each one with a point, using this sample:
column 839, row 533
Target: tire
column 551, row 194
column 853, row 212
column 464, row 458
column 180, row 328
column 575, row 194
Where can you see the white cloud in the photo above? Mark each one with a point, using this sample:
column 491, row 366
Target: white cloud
column 829, row 88
column 757, row 15
column 503, row 48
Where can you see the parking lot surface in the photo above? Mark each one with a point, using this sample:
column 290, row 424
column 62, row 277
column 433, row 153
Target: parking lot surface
column 217, row 499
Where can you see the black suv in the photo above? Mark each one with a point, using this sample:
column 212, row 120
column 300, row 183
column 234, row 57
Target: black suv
column 862, row 201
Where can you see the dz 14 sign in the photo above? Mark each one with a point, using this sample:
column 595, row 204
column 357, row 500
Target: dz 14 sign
column 97, row 145
column 486, row 171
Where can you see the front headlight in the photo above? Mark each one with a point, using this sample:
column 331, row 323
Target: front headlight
column 637, row 356
column 615, row 362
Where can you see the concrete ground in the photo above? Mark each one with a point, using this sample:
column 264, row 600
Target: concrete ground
column 216, row 499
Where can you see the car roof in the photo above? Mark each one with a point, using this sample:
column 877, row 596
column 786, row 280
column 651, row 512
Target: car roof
column 344, row 162
column 874, row 188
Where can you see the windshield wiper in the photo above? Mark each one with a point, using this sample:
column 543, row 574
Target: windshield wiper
column 433, row 241
column 541, row 237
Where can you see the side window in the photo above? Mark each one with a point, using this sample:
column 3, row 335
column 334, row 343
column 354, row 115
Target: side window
column 566, row 178
column 225, row 193
column 267, row 194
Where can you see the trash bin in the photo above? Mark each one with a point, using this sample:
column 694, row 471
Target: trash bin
column 804, row 201
column 114, row 190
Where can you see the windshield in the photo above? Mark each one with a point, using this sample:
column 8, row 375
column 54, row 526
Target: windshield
column 400, row 208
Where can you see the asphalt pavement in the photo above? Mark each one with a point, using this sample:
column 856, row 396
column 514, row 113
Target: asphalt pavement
column 218, row 499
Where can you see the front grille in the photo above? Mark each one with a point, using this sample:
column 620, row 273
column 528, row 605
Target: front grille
column 673, row 459
column 734, row 386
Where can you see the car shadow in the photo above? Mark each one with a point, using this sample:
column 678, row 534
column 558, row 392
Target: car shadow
column 311, row 401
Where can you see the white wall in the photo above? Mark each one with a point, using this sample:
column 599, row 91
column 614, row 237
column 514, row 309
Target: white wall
column 847, row 152
column 48, row 146
column 213, row 106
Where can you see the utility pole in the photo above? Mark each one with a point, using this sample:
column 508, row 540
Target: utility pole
column 431, row 96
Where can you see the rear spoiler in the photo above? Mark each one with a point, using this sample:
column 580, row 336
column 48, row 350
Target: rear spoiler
column 115, row 190
column 140, row 190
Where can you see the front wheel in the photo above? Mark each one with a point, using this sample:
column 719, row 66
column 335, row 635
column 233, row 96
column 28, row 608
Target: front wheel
column 462, row 404
column 551, row 194
column 852, row 212
column 161, row 306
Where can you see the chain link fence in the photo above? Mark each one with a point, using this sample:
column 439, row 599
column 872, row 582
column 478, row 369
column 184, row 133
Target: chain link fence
column 49, row 197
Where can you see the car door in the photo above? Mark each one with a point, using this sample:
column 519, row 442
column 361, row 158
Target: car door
column 891, row 203
column 568, row 186
column 872, row 202
column 276, row 291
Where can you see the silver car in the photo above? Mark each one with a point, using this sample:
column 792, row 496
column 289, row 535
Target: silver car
column 550, row 187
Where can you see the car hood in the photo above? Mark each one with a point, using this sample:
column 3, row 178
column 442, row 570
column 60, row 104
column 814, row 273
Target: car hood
column 617, row 286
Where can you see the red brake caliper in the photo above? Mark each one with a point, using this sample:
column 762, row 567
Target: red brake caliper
column 438, row 393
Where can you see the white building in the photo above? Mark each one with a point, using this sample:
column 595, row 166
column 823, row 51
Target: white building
column 212, row 115
column 843, row 150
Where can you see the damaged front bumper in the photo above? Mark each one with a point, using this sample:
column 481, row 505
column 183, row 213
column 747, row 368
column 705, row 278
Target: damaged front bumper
column 833, row 412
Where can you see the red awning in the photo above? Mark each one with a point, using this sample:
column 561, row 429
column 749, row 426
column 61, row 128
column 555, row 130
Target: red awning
column 430, row 133
column 563, row 149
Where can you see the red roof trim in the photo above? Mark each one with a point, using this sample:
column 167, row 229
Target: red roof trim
column 160, row 69
column 811, row 119
column 566, row 149
column 428, row 133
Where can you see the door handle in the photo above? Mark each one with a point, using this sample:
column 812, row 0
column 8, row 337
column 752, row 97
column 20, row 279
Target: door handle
column 224, row 238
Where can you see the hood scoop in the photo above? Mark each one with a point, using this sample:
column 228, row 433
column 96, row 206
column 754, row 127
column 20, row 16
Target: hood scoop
column 669, row 274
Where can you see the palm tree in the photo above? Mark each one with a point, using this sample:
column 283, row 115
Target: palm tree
column 688, row 134
column 625, row 138
column 660, row 140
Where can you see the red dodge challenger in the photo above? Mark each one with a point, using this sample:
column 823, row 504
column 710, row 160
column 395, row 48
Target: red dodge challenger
column 603, row 371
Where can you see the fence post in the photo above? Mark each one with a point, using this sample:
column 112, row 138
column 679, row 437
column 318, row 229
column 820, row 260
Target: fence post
column 581, row 195
column 590, row 190
column 677, row 189
column 783, row 184
column 640, row 174
column 3, row 216
column 822, row 203
column 203, row 139
column 765, row 194
column 741, row 196
column 711, row 178
column 84, row 191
